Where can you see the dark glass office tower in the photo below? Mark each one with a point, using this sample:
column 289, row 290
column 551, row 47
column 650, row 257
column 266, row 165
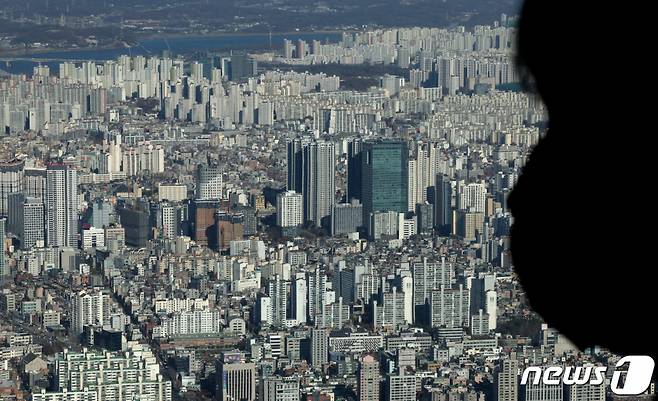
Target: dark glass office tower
column 295, row 169
column 354, row 180
column 443, row 204
column 385, row 172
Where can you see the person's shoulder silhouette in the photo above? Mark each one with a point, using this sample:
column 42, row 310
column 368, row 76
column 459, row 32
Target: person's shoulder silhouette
column 577, row 240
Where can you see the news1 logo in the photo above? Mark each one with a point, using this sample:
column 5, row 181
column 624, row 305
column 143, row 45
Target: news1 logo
column 636, row 381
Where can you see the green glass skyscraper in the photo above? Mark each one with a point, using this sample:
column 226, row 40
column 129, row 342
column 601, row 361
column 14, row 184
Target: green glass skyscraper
column 385, row 172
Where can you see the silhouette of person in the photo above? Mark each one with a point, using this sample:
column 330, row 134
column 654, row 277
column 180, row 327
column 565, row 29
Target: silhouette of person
column 584, row 201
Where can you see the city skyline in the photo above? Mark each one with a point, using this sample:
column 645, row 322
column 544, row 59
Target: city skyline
column 246, row 226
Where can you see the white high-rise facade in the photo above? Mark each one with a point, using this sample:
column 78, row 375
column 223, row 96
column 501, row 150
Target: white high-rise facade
column 144, row 157
column 492, row 308
column 450, row 307
column 108, row 376
column 209, row 182
column 61, row 206
column 87, row 308
column 473, row 197
column 115, row 154
column 169, row 222
column 34, row 183
column 422, row 172
column 319, row 347
column 299, row 298
column 32, row 223
column 289, row 209
column 317, row 285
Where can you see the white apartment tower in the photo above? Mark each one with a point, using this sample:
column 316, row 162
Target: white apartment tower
column 61, row 206
column 87, row 308
column 289, row 209
column 473, row 197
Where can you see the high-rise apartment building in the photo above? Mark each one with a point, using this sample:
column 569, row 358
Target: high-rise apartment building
column 144, row 157
column 278, row 293
column 299, row 296
column 289, row 209
column 317, row 285
column 450, row 307
column 472, row 197
column 346, row 217
column 319, row 186
column 542, row 392
column 34, row 183
column 368, row 389
column 585, row 392
column 88, row 308
column 61, row 206
column 111, row 376
column 428, row 275
column 169, row 220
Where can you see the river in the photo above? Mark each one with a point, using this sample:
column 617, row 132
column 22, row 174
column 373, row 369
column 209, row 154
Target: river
column 155, row 47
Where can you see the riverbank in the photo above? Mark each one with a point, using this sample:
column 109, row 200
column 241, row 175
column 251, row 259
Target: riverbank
column 154, row 47
column 35, row 52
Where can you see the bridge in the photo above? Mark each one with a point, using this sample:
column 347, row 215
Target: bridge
column 9, row 60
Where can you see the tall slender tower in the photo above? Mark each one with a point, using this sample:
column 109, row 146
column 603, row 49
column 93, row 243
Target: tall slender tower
column 277, row 290
column 319, row 347
column 295, row 170
column 299, row 297
column 312, row 172
column 31, row 217
column 368, row 379
column 3, row 266
column 61, row 206
column 443, row 204
column 317, row 284
column 11, row 180
column 354, row 176
column 319, row 188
